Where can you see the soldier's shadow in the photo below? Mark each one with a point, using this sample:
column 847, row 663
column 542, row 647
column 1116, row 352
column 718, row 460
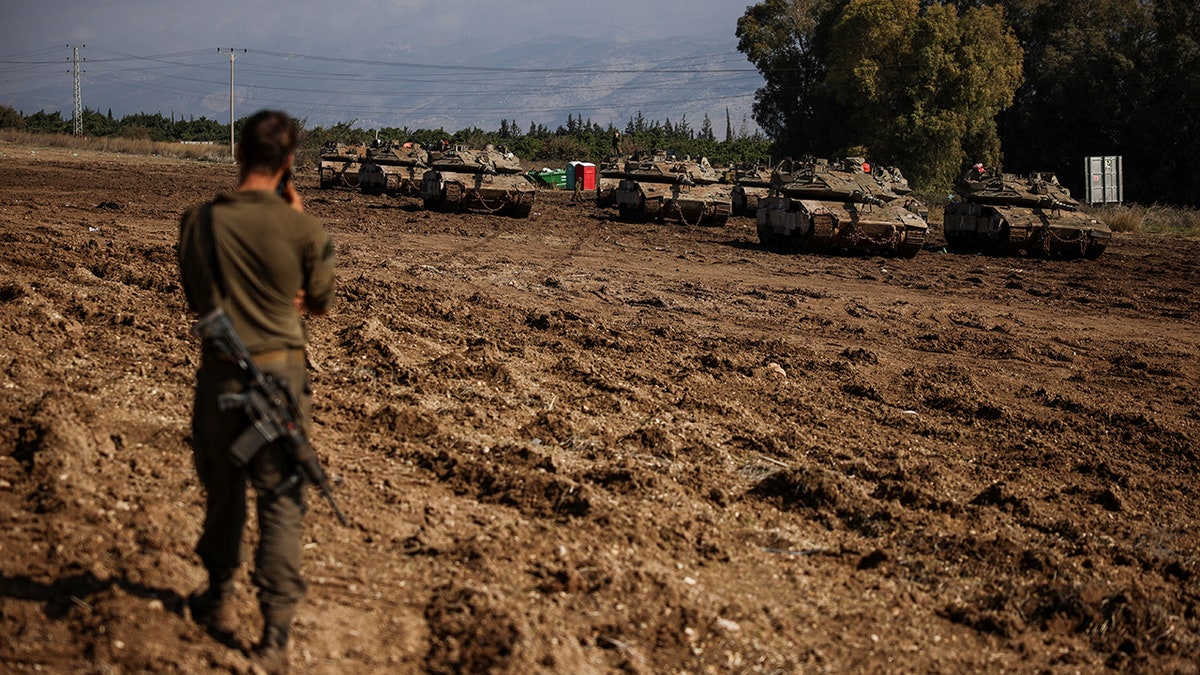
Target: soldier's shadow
column 58, row 597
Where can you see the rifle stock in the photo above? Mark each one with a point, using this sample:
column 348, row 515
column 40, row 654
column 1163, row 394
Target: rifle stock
column 272, row 408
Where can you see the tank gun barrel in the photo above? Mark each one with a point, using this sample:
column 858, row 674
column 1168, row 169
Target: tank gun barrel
column 865, row 198
column 1062, row 206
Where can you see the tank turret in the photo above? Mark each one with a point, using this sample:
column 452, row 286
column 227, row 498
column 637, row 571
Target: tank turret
column 609, row 174
column 665, row 186
column 750, row 184
column 845, row 205
column 1008, row 214
column 340, row 164
column 393, row 167
column 489, row 180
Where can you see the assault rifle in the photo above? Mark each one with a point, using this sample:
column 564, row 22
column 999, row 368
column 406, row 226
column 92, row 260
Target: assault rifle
column 271, row 407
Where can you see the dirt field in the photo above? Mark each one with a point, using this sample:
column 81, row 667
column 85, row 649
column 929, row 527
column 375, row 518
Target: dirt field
column 574, row 445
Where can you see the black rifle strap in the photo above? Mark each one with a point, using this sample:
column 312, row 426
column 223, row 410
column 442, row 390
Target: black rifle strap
column 210, row 250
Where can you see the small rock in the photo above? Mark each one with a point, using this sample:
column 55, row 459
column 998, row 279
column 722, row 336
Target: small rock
column 728, row 626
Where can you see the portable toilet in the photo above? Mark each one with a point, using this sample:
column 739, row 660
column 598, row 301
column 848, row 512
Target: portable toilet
column 589, row 175
column 585, row 171
column 571, row 166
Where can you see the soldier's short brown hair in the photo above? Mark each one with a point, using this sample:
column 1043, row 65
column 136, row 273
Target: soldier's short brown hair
column 268, row 137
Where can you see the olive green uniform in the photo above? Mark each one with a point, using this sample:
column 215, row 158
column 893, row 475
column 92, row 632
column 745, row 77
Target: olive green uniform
column 265, row 252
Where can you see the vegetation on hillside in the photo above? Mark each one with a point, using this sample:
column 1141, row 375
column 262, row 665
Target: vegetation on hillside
column 536, row 144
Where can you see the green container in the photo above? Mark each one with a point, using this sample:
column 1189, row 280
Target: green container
column 555, row 179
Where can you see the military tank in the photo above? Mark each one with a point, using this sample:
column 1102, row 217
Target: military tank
column 340, row 164
column 609, row 174
column 844, row 205
column 665, row 186
column 488, row 180
column 1007, row 214
column 393, row 168
column 750, row 184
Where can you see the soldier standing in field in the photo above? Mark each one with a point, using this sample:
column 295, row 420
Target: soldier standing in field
column 254, row 253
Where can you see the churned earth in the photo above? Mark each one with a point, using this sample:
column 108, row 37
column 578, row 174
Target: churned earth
column 569, row 444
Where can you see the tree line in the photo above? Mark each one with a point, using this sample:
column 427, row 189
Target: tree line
column 578, row 139
column 1032, row 85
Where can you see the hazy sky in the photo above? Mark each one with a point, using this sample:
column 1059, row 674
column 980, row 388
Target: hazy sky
column 158, row 26
column 146, row 52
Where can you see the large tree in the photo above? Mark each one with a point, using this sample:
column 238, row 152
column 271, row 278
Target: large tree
column 1166, row 138
column 1091, row 83
column 787, row 41
column 924, row 85
column 916, row 83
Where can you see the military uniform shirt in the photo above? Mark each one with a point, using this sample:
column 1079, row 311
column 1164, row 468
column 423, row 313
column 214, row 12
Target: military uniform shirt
column 266, row 252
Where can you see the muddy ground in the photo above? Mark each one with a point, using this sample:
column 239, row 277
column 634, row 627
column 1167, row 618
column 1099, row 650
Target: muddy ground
column 574, row 445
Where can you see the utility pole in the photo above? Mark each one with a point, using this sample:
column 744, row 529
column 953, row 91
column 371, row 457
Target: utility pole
column 77, row 114
column 232, row 56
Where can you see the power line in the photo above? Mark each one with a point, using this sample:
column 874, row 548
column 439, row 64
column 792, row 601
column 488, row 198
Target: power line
column 370, row 87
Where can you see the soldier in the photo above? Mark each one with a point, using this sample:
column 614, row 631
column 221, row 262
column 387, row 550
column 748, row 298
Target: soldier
column 254, row 253
column 578, row 196
column 616, row 142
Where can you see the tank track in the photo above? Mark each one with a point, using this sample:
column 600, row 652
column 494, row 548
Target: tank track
column 824, row 227
column 914, row 240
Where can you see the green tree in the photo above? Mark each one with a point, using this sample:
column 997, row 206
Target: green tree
column 42, row 122
column 1164, row 141
column 915, row 82
column 924, row 86
column 788, row 42
column 96, row 123
column 10, row 118
column 1107, row 77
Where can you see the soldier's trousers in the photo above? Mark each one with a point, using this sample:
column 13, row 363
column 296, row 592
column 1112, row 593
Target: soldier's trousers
column 277, row 557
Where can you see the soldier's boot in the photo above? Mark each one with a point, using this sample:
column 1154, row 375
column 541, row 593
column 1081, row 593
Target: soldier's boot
column 213, row 608
column 270, row 654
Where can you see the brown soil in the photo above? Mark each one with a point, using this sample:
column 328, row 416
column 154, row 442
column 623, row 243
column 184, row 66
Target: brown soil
column 570, row 444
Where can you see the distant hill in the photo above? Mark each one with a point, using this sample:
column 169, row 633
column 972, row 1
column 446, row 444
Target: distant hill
column 542, row 79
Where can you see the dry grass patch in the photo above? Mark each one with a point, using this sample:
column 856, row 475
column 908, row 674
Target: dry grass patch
column 1156, row 218
column 211, row 152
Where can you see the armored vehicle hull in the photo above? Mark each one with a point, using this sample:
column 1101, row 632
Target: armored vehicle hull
column 840, row 206
column 662, row 187
column 393, row 169
column 609, row 175
column 751, row 185
column 1022, row 215
column 340, row 164
column 487, row 180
